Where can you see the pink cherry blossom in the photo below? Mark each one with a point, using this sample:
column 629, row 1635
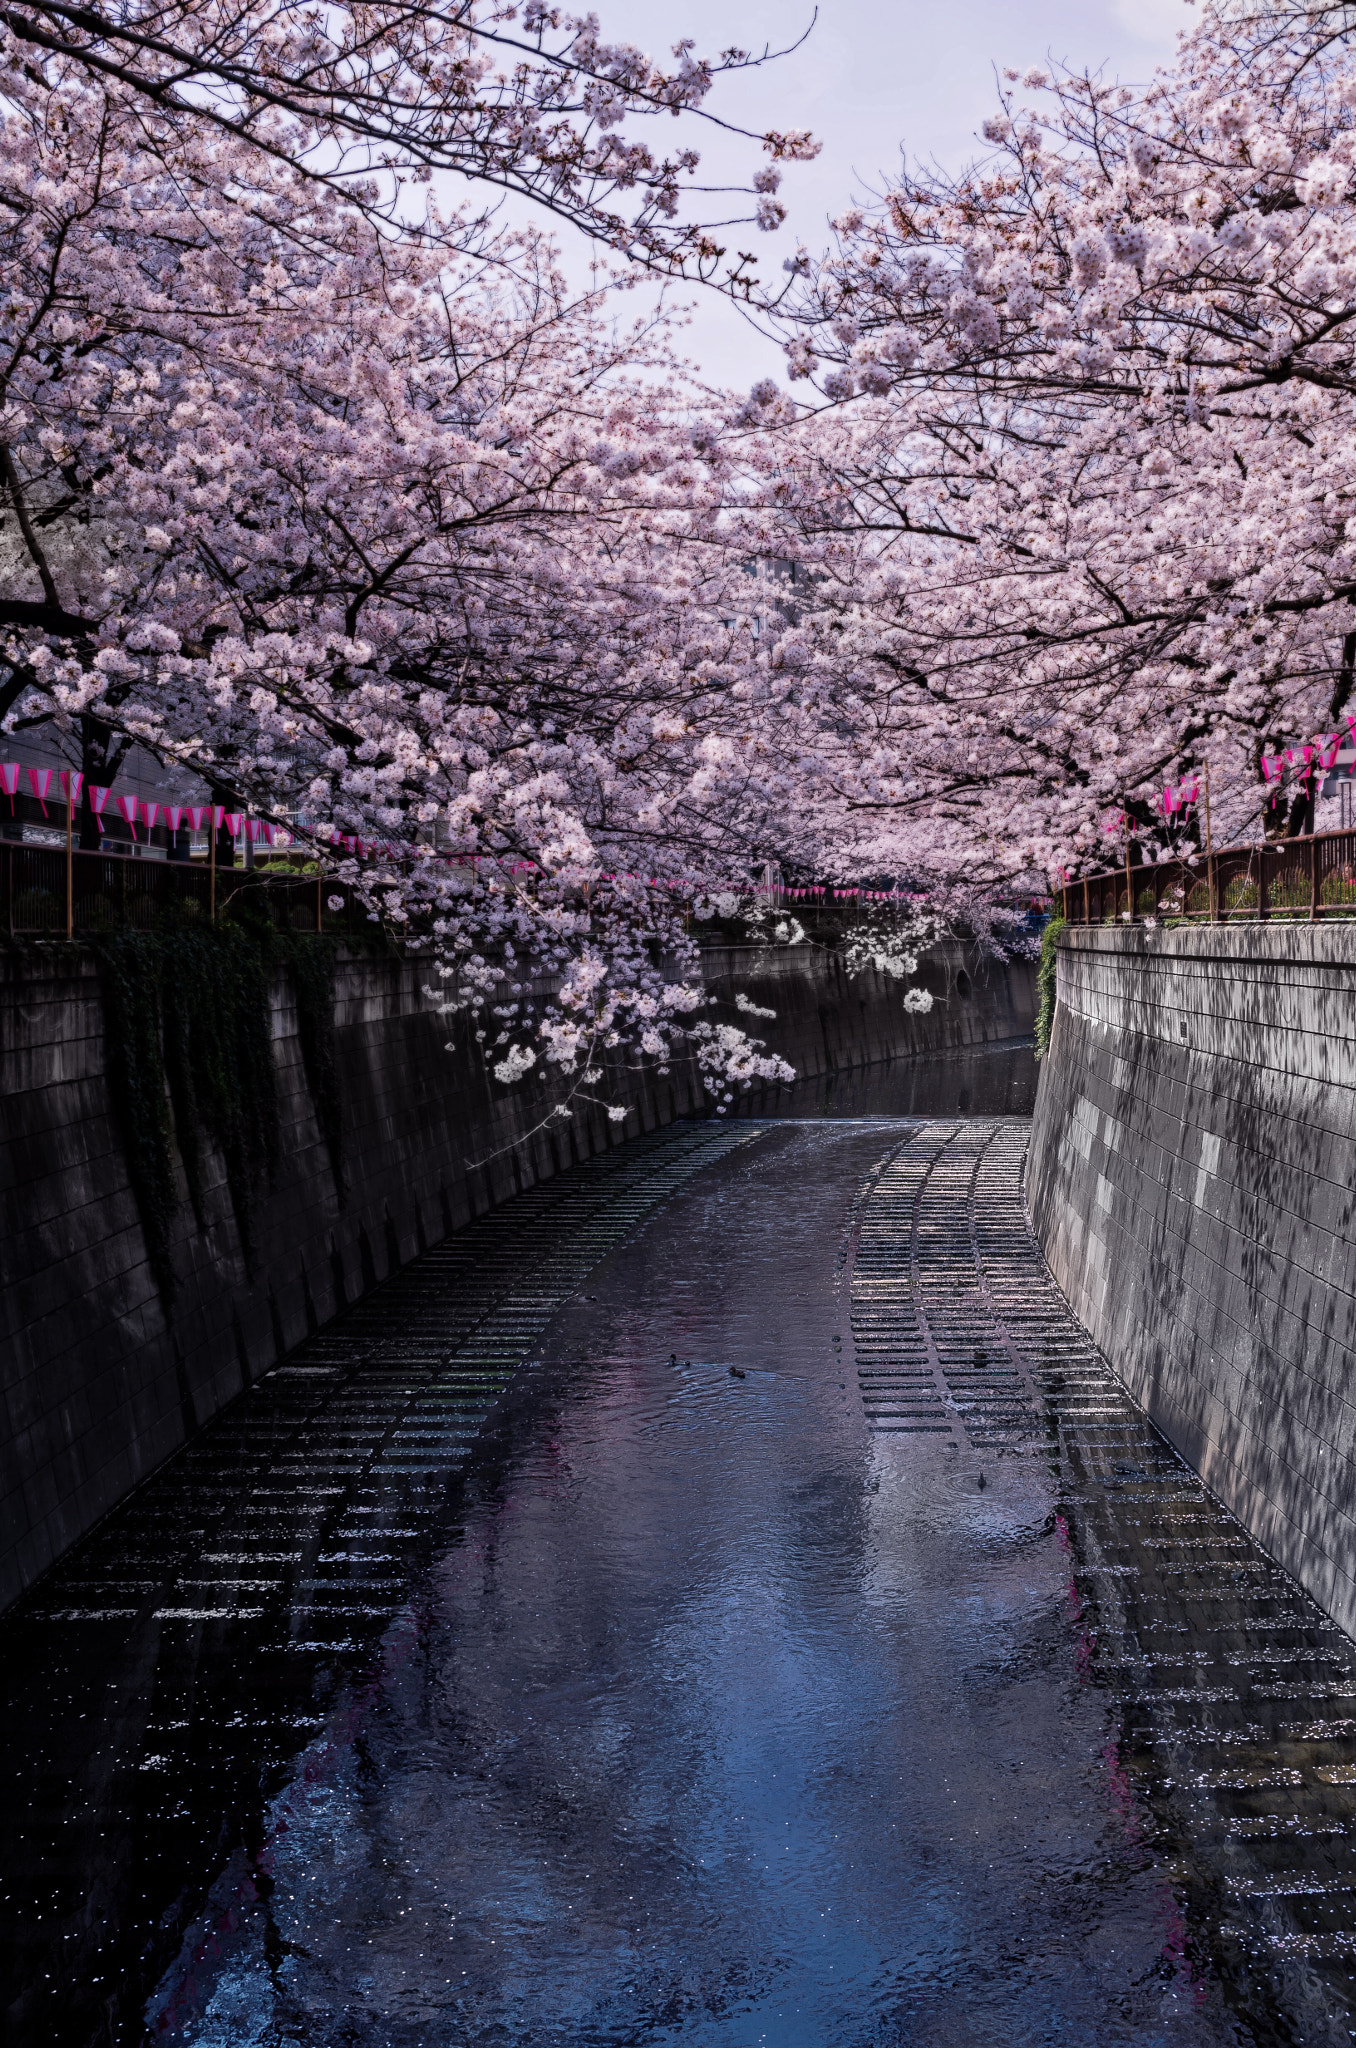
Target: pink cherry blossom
column 391, row 532
column 1081, row 512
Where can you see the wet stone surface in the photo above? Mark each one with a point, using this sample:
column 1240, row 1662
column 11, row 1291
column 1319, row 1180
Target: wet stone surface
column 602, row 1635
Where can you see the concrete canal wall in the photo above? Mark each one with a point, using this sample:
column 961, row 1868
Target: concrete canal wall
column 101, row 1381
column 1192, row 1178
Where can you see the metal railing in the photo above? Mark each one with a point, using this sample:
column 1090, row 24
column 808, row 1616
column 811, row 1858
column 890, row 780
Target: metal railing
column 1288, row 879
column 46, row 893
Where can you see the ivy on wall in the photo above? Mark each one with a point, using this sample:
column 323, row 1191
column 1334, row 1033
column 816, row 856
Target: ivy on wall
column 189, row 1057
column 1045, row 986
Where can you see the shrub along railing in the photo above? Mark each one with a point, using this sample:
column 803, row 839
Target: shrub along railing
column 46, row 892
column 1285, row 878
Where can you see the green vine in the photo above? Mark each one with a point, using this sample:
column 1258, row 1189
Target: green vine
column 189, row 1053
column 1045, row 985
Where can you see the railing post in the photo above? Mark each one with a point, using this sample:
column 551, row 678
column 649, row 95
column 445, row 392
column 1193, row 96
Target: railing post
column 1129, row 888
column 1086, row 917
column 1313, row 878
column 1263, row 900
column 1212, row 887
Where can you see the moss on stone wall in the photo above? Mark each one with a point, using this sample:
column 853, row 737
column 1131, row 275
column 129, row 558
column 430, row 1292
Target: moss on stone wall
column 190, row 1057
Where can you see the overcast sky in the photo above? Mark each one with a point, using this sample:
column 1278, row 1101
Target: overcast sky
column 872, row 76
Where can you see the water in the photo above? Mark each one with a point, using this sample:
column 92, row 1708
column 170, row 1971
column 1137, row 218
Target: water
column 998, row 1079
column 685, row 1685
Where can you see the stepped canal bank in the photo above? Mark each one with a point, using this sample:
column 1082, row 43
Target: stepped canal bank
column 104, row 1376
column 1193, row 1183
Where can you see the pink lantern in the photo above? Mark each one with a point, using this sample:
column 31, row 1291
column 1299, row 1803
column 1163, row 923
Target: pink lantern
column 98, row 797
column 41, row 780
column 72, row 782
column 128, row 806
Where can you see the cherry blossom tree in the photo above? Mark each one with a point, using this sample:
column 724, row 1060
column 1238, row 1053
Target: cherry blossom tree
column 377, row 100
column 1078, row 503
column 354, row 509
column 408, row 540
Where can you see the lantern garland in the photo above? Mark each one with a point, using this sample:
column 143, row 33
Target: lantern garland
column 1180, row 798
column 1317, row 753
column 138, row 812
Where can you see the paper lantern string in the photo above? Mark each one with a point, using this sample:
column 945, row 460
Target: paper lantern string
column 1325, row 749
column 1180, row 798
column 137, row 811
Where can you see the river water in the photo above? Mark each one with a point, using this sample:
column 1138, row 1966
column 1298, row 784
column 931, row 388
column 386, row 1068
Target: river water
column 786, row 1653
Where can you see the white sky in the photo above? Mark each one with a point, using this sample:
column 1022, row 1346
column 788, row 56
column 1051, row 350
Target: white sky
column 873, row 75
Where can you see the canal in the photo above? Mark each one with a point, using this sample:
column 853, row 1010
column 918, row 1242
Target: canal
column 719, row 1598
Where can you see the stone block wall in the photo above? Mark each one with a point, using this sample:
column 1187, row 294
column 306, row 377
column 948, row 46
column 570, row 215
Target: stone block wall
column 100, row 1381
column 1192, row 1179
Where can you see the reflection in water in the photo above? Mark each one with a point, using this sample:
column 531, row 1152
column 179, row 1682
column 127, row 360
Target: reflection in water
column 721, row 1722
column 715, row 1703
column 977, row 1080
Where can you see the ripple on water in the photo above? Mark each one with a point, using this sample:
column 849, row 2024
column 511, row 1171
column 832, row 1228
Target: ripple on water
column 697, row 1708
